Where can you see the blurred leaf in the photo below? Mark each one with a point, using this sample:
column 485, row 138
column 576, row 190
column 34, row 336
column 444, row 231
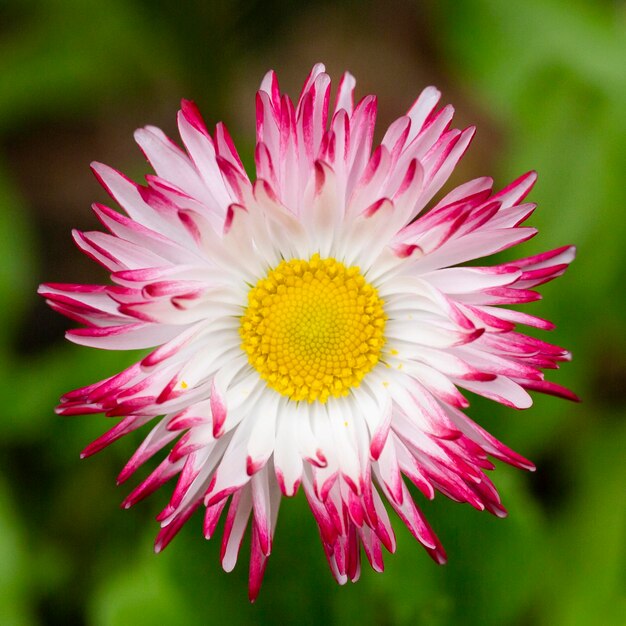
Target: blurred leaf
column 15, row 566
column 520, row 39
column 70, row 53
column 139, row 594
column 588, row 538
column 16, row 259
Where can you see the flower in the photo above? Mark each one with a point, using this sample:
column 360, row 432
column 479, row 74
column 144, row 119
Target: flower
column 314, row 327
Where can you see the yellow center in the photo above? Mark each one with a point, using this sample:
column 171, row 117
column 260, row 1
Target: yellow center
column 313, row 329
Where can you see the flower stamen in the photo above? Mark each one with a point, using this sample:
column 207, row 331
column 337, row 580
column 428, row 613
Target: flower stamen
column 313, row 329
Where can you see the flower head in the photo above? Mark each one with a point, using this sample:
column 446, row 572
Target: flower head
column 314, row 327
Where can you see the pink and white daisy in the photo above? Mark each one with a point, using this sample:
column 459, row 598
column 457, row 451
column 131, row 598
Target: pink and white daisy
column 314, row 327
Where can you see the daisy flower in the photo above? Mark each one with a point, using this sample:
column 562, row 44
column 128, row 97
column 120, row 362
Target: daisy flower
column 315, row 327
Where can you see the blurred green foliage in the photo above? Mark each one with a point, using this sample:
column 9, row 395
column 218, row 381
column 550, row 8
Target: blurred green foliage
column 549, row 75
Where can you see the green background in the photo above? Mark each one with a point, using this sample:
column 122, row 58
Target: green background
column 545, row 82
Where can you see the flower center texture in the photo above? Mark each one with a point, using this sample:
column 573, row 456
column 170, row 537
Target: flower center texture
column 313, row 329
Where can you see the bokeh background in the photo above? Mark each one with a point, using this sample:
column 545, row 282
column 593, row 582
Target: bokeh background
column 545, row 82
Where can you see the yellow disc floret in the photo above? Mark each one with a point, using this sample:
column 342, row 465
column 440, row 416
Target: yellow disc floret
column 313, row 329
